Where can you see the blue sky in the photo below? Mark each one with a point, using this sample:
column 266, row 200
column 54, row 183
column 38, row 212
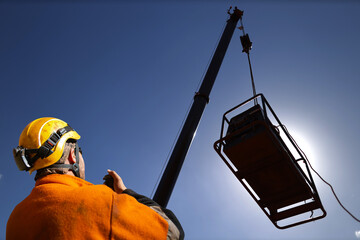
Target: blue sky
column 124, row 74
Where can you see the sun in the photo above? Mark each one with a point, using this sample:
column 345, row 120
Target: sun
column 305, row 143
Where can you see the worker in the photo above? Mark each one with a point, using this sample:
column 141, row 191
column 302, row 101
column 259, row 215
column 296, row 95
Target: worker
column 62, row 205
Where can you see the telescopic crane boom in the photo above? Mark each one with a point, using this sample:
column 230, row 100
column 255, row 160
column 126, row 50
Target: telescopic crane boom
column 201, row 98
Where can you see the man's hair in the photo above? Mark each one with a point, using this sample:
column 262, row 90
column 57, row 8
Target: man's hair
column 70, row 144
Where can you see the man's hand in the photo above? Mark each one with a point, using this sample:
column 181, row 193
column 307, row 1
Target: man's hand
column 119, row 185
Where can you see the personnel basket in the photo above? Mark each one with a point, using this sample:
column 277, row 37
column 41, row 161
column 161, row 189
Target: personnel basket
column 256, row 153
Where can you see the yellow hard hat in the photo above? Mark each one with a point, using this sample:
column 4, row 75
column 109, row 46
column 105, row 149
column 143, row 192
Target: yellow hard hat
column 42, row 142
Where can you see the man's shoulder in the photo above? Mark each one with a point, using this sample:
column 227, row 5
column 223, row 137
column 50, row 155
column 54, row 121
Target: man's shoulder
column 61, row 187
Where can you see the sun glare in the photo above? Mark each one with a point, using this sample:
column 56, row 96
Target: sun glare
column 304, row 142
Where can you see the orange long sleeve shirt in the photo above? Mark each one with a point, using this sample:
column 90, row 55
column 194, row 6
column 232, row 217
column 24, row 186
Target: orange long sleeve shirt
column 66, row 207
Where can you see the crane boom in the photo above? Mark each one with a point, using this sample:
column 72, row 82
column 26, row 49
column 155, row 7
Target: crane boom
column 201, row 98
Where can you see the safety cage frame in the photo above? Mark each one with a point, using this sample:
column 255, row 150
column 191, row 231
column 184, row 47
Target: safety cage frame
column 296, row 200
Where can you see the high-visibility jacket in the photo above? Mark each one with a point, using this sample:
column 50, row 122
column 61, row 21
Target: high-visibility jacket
column 66, row 207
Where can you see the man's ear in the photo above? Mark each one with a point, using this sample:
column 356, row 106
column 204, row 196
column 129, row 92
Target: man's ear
column 72, row 157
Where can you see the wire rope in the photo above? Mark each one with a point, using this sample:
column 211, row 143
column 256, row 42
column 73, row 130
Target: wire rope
column 170, row 151
column 246, row 49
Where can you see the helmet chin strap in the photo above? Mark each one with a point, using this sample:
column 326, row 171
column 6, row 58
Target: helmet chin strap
column 75, row 168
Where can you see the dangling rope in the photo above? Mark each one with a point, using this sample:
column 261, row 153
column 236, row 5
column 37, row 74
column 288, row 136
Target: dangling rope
column 247, row 45
column 322, row 179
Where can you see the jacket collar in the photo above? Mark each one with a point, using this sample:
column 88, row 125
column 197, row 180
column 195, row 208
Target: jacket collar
column 64, row 179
